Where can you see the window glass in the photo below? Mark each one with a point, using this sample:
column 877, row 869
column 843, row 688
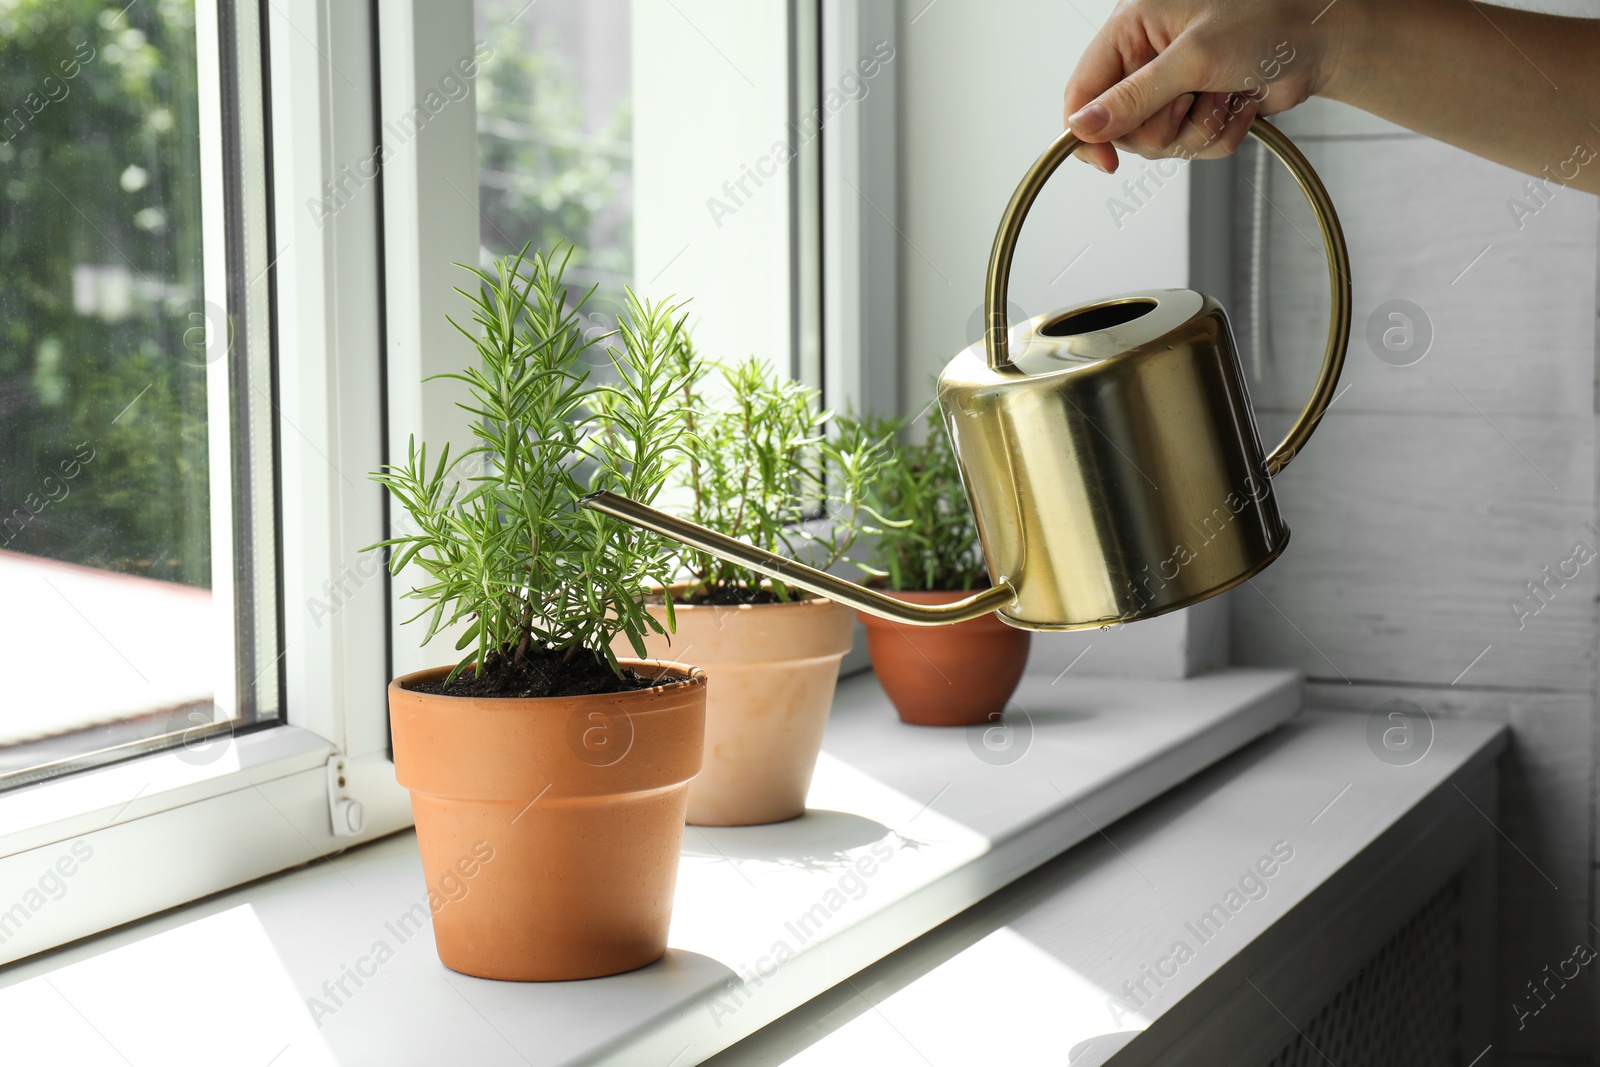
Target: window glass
column 663, row 139
column 555, row 143
column 111, row 357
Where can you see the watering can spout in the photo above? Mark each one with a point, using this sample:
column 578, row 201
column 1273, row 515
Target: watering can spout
column 798, row 574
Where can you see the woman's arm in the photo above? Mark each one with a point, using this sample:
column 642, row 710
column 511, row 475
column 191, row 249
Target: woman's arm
column 1185, row 77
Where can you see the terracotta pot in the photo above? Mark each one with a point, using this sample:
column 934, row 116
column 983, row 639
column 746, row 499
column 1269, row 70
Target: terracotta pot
column 773, row 668
column 959, row 675
column 549, row 828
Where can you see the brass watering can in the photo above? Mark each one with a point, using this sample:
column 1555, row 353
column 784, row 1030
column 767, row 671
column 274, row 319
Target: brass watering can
column 1109, row 450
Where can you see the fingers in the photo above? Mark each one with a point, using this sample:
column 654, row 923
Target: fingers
column 1100, row 67
column 1132, row 97
column 1207, row 126
column 1216, row 126
column 1156, row 136
column 1128, row 104
column 1102, row 156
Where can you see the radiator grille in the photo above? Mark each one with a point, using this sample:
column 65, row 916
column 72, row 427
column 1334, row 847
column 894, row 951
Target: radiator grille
column 1402, row 1008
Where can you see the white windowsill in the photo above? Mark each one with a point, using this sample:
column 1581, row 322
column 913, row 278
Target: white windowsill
column 1079, row 962
column 945, row 827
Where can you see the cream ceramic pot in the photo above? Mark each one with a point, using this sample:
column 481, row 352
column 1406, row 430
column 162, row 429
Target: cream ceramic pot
column 771, row 671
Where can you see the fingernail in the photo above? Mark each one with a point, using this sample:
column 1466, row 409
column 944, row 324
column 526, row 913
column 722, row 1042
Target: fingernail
column 1091, row 119
column 1181, row 106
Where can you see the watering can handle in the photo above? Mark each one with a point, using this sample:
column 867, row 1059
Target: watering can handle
column 1005, row 244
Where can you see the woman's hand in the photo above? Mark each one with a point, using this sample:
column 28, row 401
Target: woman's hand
column 1186, row 77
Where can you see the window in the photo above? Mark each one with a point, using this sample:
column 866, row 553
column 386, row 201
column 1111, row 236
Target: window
column 227, row 242
column 136, row 482
column 669, row 143
column 555, row 137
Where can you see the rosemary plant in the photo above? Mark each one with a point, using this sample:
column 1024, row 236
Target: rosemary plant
column 543, row 585
column 933, row 544
column 759, row 464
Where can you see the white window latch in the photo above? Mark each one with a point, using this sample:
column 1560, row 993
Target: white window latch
column 344, row 811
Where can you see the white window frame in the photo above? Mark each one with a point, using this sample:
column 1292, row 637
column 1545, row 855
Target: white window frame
column 361, row 297
column 861, row 239
column 176, row 825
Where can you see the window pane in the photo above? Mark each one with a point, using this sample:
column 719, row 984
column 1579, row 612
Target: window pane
column 660, row 137
column 555, row 139
column 115, row 362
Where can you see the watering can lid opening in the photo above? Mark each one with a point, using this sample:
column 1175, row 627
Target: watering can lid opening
column 1076, row 337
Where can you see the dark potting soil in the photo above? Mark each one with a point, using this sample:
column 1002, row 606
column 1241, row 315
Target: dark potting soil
column 544, row 675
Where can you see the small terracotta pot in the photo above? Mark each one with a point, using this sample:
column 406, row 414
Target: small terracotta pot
column 773, row 669
column 549, row 828
column 958, row 675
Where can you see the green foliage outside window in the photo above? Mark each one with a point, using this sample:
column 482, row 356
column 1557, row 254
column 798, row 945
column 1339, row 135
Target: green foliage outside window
column 541, row 177
column 100, row 281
